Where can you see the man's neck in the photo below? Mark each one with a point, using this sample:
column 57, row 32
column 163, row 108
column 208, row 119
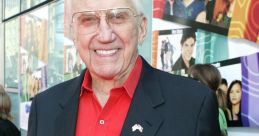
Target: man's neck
column 186, row 62
column 102, row 87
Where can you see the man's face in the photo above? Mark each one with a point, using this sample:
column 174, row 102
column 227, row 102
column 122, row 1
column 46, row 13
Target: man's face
column 111, row 50
column 187, row 49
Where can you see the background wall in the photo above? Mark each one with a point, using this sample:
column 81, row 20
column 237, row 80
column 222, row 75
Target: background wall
column 235, row 45
column 145, row 49
column 1, row 48
column 243, row 132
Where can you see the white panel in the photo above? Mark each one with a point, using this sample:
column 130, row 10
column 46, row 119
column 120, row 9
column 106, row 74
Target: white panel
column 1, row 54
column 243, row 131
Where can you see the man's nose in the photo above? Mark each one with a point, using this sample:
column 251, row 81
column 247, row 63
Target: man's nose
column 105, row 32
column 190, row 48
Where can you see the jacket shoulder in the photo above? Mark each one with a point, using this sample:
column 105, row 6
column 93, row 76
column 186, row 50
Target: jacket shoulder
column 179, row 89
column 61, row 90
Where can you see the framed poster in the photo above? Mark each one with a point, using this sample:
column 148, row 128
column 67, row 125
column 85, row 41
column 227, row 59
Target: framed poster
column 241, row 91
column 176, row 50
column 214, row 12
column 210, row 15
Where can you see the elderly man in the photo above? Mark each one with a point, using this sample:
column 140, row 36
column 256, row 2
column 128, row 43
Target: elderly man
column 120, row 93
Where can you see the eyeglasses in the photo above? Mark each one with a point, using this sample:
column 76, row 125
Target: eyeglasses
column 87, row 22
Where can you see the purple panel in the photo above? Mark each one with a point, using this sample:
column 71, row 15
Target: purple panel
column 44, row 81
column 250, row 90
column 244, row 100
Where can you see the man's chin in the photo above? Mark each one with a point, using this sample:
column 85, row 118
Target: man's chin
column 187, row 60
column 107, row 73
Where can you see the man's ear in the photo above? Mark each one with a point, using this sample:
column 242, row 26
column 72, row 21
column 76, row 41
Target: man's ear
column 71, row 32
column 142, row 30
column 72, row 35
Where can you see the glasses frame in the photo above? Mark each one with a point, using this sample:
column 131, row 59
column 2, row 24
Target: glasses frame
column 97, row 13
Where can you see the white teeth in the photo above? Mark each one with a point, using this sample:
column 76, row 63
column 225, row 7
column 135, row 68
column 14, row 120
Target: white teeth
column 106, row 52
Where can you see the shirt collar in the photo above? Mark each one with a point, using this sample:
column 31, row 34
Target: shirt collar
column 129, row 85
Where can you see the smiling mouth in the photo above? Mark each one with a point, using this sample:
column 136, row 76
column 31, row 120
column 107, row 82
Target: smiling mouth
column 106, row 52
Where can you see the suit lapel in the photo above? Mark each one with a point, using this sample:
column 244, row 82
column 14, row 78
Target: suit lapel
column 142, row 110
column 65, row 122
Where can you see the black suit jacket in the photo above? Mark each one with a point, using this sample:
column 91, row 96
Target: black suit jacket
column 7, row 128
column 163, row 104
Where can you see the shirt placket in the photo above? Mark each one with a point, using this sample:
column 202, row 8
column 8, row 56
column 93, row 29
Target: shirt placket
column 102, row 122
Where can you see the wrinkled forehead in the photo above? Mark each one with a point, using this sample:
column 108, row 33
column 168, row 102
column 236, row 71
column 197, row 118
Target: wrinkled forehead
column 82, row 5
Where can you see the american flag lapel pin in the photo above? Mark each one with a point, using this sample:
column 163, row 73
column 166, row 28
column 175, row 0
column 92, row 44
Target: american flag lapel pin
column 137, row 127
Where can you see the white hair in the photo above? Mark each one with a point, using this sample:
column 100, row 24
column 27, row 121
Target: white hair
column 138, row 5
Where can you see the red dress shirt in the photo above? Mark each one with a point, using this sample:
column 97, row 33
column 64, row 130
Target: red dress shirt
column 93, row 120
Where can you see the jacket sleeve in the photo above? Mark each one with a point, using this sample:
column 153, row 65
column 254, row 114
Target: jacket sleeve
column 208, row 123
column 32, row 126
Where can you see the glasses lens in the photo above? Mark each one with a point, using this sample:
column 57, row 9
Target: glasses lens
column 87, row 22
column 119, row 16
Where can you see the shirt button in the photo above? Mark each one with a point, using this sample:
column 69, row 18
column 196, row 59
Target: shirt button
column 101, row 122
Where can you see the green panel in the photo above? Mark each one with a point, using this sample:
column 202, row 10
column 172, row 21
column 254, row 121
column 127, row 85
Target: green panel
column 15, row 107
column 211, row 47
column 145, row 48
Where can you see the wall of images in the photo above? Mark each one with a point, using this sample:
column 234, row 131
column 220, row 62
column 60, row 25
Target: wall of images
column 234, row 18
column 218, row 35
